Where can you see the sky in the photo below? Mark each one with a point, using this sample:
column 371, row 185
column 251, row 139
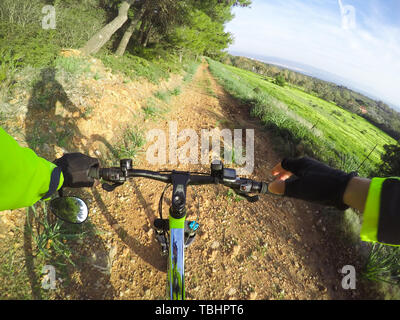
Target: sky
column 358, row 40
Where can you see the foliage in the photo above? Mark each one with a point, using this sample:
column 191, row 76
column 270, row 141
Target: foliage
column 280, row 80
column 378, row 113
column 52, row 236
column 162, row 30
column 21, row 29
column 383, row 264
column 202, row 36
column 303, row 124
column 390, row 166
column 135, row 67
column 130, row 144
column 72, row 65
column 9, row 64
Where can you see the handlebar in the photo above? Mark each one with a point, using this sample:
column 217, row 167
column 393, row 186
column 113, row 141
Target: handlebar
column 219, row 175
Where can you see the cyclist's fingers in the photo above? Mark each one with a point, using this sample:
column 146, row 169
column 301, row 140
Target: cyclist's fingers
column 277, row 187
column 284, row 176
column 278, row 170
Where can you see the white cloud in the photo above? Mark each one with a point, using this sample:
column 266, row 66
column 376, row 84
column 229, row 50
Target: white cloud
column 311, row 32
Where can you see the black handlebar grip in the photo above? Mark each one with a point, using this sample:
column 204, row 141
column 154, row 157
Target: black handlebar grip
column 94, row 173
column 264, row 188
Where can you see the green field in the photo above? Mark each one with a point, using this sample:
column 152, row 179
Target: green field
column 306, row 124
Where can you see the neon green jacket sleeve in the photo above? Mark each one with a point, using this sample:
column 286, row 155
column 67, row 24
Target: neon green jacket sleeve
column 25, row 178
column 381, row 218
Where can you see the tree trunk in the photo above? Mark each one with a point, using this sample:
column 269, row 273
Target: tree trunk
column 128, row 34
column 125, row 39
column 147, row 35
column 142, row 29
column 101, row 37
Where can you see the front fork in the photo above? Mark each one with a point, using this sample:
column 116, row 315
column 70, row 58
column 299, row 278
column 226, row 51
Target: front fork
column 162, row 227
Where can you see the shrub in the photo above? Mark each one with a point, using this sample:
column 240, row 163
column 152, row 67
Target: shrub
column 280, row 80
column 134, row 67
column 390, row 161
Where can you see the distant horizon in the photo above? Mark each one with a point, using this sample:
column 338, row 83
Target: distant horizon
column 354, row 41
column 322, row 74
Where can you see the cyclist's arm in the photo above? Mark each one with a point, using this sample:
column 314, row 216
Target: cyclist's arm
column 379, row 200
column 356, row 193
column 381, row 218
column 25, row 178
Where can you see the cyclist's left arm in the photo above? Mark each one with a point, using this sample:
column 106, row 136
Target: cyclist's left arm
column 25, row 177
column 381, row 218
column 377, row 198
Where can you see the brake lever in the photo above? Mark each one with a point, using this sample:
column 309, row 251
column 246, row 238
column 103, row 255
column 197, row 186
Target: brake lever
column 111, row 187
column 251, row 199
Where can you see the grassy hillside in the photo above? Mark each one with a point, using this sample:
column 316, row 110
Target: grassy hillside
column 377, row 113
column 306, row 124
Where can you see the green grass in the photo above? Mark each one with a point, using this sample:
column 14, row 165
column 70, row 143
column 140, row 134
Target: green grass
column 14, row 279
column 130, row 143
column 135, row 67
column 208, row 88
column 383, row 264
column 303, row 124
column 190, row 70
column 43, row 240
column 52, row 236
column 153, row 109
column 165, row 95
column 37, row 139
column 73, row 65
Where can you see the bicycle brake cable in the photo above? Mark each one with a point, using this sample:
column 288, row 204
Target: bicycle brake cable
column 161, row 200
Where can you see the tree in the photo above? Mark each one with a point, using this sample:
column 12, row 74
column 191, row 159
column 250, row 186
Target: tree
column 202, row 36
column 280, row 80
column 153, row 17
column 185, row 22
column 102, row 36
column 135, row 18
column 390, row 161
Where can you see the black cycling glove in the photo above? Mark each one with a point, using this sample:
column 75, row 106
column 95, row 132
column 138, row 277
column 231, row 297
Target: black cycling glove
column 75, row 168
column 316, row 182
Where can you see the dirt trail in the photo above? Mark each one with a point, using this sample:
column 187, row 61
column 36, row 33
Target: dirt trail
column 273, row 249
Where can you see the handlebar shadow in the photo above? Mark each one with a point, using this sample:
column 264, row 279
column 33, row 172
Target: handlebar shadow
column 150, row 254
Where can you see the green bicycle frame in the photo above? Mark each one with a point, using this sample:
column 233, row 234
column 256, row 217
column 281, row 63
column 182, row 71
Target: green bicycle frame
column 176, row 259
column 178, row 228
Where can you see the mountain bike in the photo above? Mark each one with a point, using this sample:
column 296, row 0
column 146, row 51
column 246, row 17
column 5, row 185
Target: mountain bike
column 175, row 233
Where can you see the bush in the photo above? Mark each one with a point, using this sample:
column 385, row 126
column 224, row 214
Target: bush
column 134, row 67
column 280, row 80
column 21, row 28
column 78, row 21
column 390, row 161
column 37, row 47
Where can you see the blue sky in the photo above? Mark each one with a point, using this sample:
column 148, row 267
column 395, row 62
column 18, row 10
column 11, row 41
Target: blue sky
column 365, row 50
